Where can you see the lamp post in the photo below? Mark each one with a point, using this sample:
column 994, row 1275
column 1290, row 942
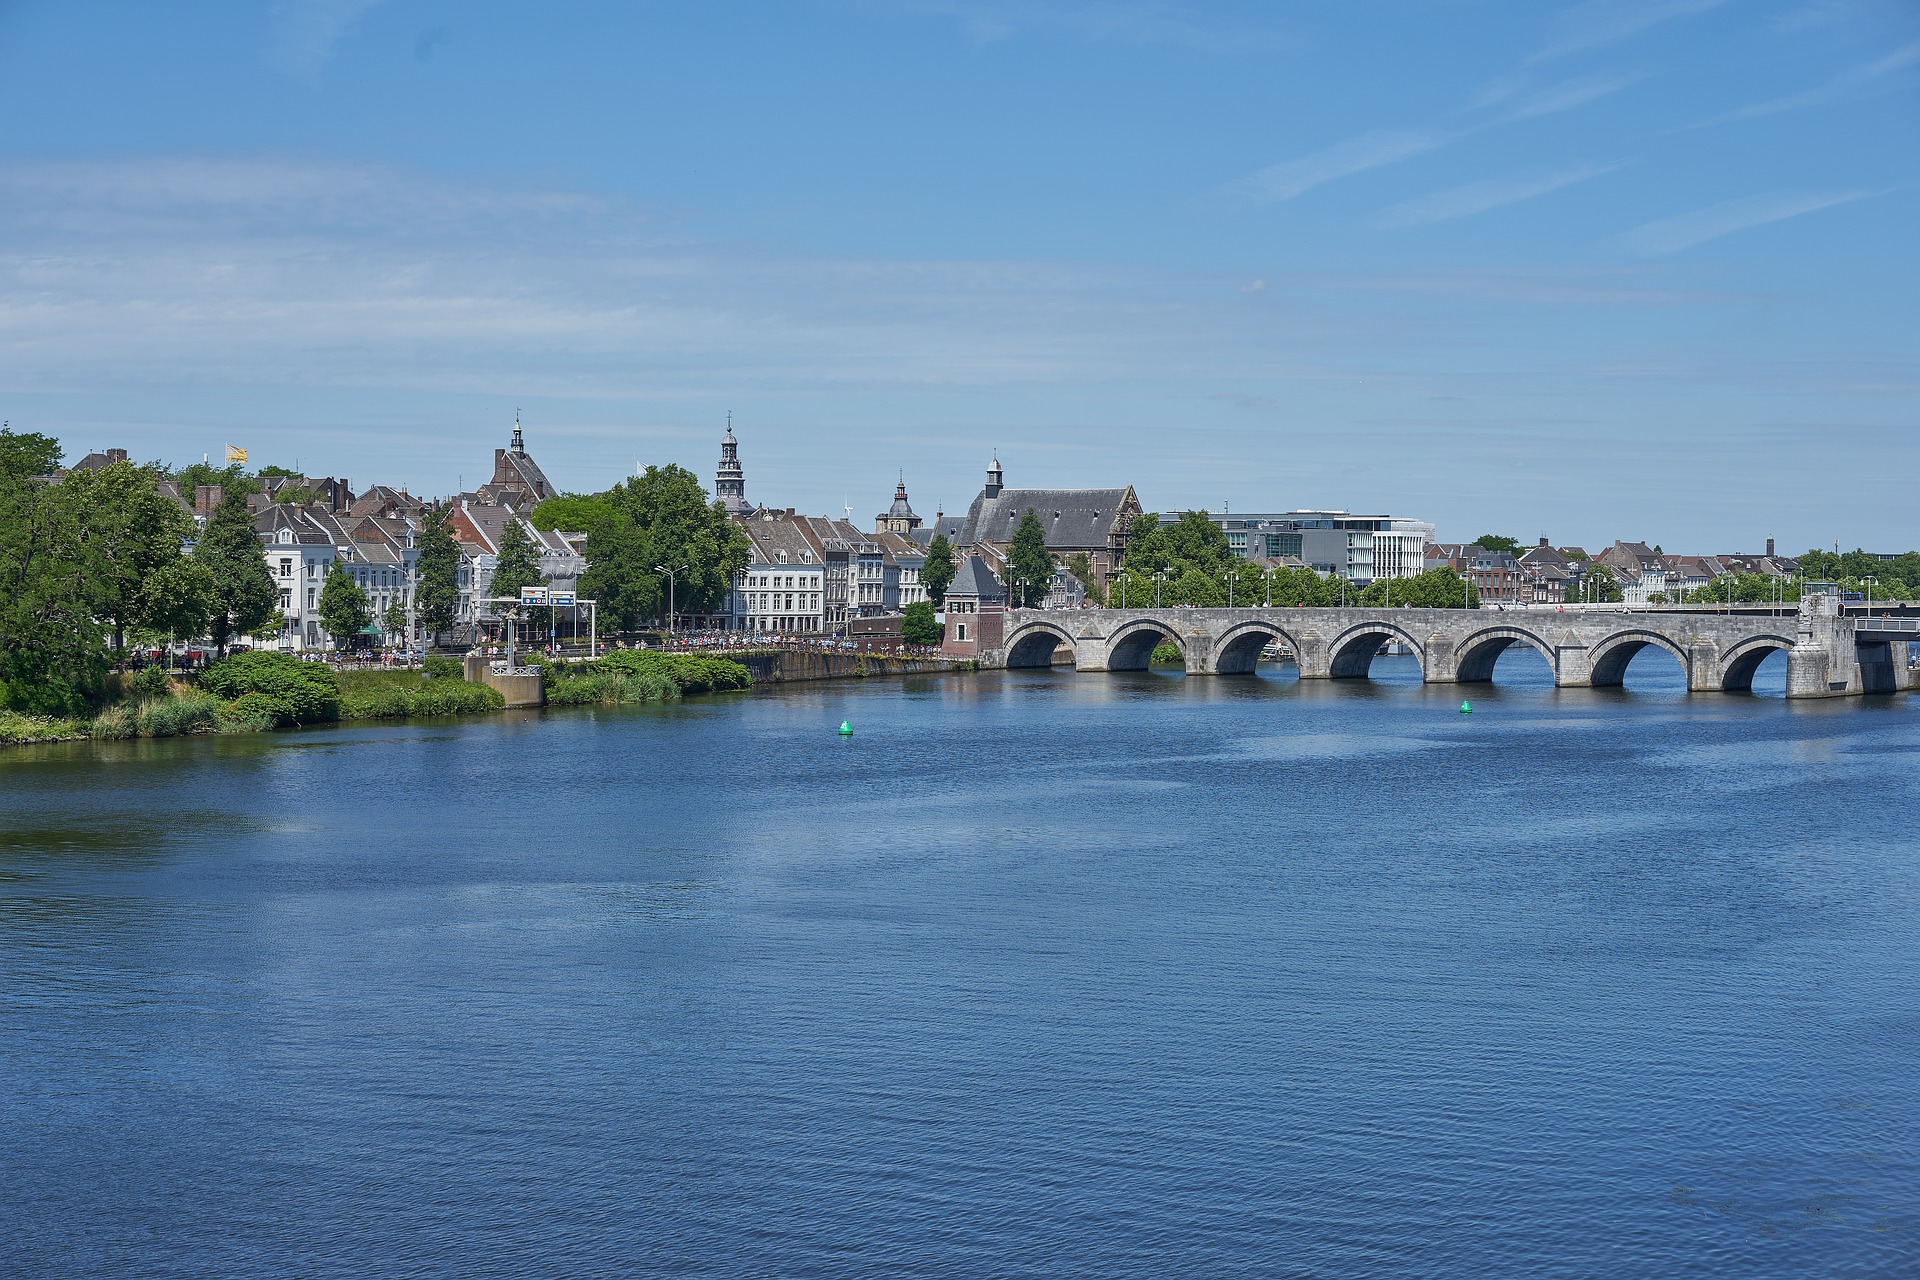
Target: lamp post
column 660, row 568
column 1159, row 575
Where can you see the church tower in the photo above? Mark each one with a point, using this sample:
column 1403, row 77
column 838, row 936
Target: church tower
column 898, row 518
column 730, row 482
column 996, row 479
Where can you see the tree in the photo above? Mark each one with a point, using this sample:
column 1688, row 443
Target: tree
column 1029, row 563
column 52, row 654
column 937, row 573
column 394, row 620
column 295, row 495
column 1433, row 589
column 244, row 592
column 344, row 613
column 1498, row 542
column 230, row 478
column 1601, row 586
column 918, row 625
column 662, row 518
column 517, row 565
column 573, row 512
column 436, row 594
column 179, row 598
column 132, row 533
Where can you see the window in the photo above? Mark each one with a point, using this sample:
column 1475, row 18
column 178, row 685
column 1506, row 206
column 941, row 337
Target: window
column 959, row 631
column 309, row 597
column 286, row 568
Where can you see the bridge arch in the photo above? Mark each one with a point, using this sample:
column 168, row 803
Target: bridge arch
column 1738, row 664
column 1032, row 644
column 1236, row 651
column 1609, row 658
column 1478, row 652
column 1353, row 650
column 1130, row 645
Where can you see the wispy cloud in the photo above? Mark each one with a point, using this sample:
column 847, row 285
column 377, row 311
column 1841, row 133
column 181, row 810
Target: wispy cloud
column 1493, row 193
column 1671, row 235
column 1852, row 81
column 1282, row 182
column 1595, row 23
column 1509, row 103
column 1145, row 22
column 306, row 31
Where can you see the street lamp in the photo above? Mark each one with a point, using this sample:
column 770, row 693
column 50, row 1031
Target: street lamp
column 1159, row 575
column 660, row 568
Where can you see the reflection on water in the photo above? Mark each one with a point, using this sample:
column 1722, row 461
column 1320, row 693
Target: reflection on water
column 1038, row 974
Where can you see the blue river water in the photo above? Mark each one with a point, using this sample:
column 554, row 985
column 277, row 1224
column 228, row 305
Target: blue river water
column 1036, row 975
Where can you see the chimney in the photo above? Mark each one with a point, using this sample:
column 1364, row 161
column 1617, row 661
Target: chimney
column 1769, row 548
column 205, row 498
column 116, row 455
column 1543, row 539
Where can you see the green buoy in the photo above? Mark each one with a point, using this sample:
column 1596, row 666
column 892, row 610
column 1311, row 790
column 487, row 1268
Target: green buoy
column 846, row 728
column 1466, row 709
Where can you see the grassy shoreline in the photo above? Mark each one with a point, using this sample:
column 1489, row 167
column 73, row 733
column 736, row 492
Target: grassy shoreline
column 265, row 693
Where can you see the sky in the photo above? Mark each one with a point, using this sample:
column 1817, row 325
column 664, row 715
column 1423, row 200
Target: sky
column 1639, row 269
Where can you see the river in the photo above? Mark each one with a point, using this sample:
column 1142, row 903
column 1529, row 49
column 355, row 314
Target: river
column 1036, row 975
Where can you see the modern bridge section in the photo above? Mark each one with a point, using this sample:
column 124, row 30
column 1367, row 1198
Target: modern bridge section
column 1828, row 655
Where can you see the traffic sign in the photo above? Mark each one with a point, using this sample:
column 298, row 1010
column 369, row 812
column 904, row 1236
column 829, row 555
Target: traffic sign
column 533, row 595
column 563, row 599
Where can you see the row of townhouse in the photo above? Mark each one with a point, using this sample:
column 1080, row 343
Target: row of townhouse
column 1546, row 574
column 379, row 550
column 812, row 574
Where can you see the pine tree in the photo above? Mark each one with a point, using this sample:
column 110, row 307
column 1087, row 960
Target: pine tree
column 937, row 573
column 1029, row 563
column 244, row 592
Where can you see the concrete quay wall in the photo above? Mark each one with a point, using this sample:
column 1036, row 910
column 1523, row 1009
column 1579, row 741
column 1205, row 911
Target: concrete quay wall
column 785, row 666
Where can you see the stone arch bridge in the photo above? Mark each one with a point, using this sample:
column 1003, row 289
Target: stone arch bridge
column 1828, row 654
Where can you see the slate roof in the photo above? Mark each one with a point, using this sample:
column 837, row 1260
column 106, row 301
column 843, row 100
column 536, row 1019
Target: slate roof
column 1075, row 519
column 973, row 578
column 780, row 540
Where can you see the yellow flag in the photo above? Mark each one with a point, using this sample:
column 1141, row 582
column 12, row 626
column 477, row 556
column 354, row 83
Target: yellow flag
column 235, row 455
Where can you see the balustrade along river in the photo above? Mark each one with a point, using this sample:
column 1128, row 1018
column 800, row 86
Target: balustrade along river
column 1032, row 975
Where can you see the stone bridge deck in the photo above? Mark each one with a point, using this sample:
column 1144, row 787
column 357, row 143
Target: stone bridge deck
column 1828, row 654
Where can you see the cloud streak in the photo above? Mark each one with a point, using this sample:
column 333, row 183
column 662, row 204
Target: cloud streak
column 1472, row 198
column 1671, row 235
column 1141, row 22
column 1597, row 23
column 305, row 33
column 1279, row 183
column 1857, row 79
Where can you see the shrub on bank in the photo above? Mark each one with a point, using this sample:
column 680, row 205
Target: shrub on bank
column 277, row 685
column 635, row 675
column 17, row 727
column 441, row 667
column 439, row 697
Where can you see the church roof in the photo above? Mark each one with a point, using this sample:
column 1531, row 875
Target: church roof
column 1072, row 518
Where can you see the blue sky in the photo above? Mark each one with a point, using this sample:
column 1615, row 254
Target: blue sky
column 1616, row 268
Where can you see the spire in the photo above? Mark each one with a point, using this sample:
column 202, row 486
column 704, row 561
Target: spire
column 996, row 479
column 730, row 481
column 519, row 443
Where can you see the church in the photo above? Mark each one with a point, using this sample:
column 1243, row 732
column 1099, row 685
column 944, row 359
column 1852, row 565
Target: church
column 1090, row 521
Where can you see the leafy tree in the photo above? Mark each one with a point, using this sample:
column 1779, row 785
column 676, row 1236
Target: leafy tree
column 1601, row 586
column 939, row 568
column 394, row 620
column 573, row 513
column 178, row 598
column 517, row 565
column 295, row 495
column 1299, row 586
column 1080, row 565
column 918, row 625
column 1434, row 589
column 1498, row 542
column 1029, row 563
column 132, row 533
column 231, row 478
column 244, row 592
column 286, row 472
column 344, row 613
column 1750, row 588
column 52, row 654
column 436, row 595
column 662, row 517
